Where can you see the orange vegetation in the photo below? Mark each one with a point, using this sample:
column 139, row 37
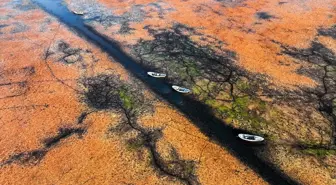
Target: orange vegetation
column 215, row 165
column 235, row 22
column 40, row 96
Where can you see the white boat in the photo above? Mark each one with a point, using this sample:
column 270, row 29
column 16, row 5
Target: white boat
column 180, row 89
column 156, row 75
column 78, row 13
column 250, row 138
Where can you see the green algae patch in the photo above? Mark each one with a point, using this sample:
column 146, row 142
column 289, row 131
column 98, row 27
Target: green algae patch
column 135, row 144
column 126, row 99
column 245, row 112
column 319, row 152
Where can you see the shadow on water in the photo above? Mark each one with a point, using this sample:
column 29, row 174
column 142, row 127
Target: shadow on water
column 199, row 113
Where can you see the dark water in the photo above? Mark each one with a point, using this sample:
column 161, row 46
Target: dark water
column 199, row 113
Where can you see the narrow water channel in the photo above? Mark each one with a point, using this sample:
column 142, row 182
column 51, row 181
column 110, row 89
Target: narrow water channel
column 197, row 112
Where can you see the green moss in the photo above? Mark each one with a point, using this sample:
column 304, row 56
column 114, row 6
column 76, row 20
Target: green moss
column 243, row 85
column 244, row 110
column 228, row 120
column 241, row 104
column 197, row 91
column 239, row 110
column 189, row 168
column 134, row 144
column 315, row 148
column 126, row 99
column 210, row 102
column 192, row 69
column 319, row 152
column 225, row 109
column 274, row 113
column 202, row 84
column 262, row 106
column 272, row 137
column 309, row 144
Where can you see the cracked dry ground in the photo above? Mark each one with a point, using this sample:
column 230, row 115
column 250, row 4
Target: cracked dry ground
column 56, row 129
column 267, row 67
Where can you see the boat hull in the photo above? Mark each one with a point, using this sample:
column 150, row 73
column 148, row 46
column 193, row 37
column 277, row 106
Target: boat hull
column 251, row 138
column 156, row 75
column 180, row 89
column 78, row 13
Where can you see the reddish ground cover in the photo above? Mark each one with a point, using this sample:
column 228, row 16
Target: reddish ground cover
column 40, row 94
